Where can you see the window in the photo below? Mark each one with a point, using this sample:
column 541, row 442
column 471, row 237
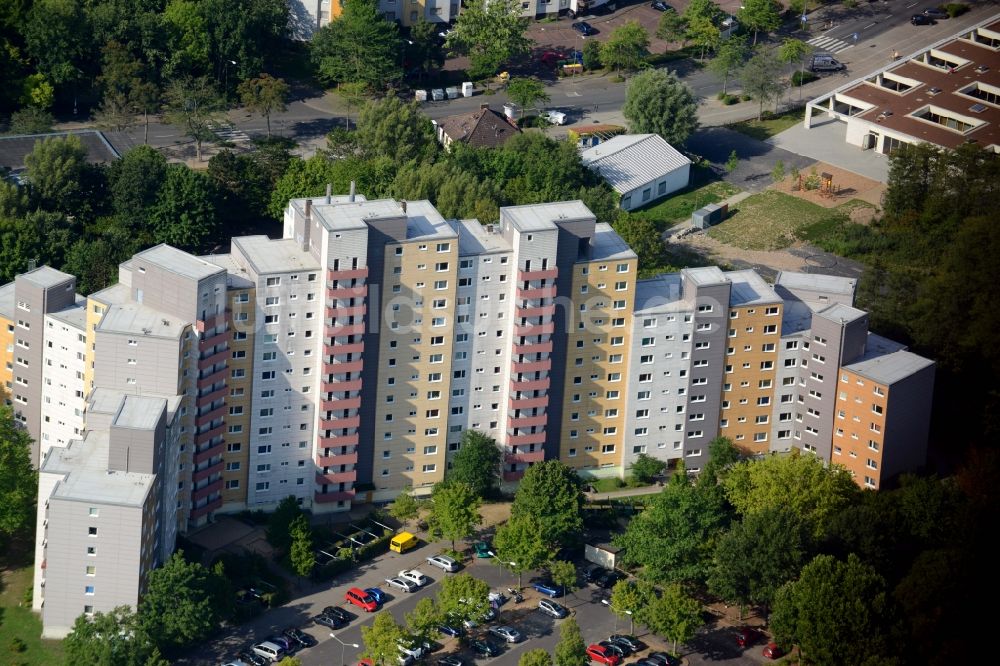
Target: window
column 91, row 531
column 428, row 469
column 89, row 590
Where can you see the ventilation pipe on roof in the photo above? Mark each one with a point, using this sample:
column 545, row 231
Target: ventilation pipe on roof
column 402, row 204
column 309, row 209
column 351, row 196
column 329, row 192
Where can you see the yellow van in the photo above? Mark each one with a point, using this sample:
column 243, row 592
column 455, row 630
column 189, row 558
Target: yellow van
column 403, row 542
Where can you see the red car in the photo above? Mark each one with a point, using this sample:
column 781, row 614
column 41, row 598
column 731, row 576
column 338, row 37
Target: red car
column 603, row 655
column 361, row 599
column 366, row 662
column 747, row 636
column 772, row 651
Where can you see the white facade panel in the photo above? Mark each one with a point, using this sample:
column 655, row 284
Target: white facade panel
column 62, row 376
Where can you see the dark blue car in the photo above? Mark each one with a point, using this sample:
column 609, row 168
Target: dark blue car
column 378, row 595
column 451, row 630
column 548, row 588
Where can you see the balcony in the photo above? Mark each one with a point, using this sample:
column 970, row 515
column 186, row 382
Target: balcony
column 218, row 358
column 203, row 438
column 334, row 496
column 207, row 472
column 530, row 385
column 337, row 441
column 525, row 458
column 344, row 348
column 525, row 440
column 209, row 323
column 521, row 367
column 210, row 379
column 210, row 489
column 528, row 403
column 208, row 398
column 534, row 348
column 200, row 511
column 339, row 386
column 336, row 477
column 333, row 330
column 536, row 293
column 340, row 403
column 337, row 460
column 343, row 293
column 341, row 367
column 542, row 274
column 209, row 453
column 348, row 273
column 513, row 476
column 526, row 330
column 217, row 339
column 347, row 311
column 539, row 311
column 340, row 422
column 527, row 421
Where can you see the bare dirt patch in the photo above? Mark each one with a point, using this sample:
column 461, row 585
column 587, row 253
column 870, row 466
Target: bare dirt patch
column 847, row 185
column 494, row 514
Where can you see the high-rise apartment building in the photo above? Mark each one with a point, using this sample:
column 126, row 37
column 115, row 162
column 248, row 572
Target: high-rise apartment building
column 341, row 363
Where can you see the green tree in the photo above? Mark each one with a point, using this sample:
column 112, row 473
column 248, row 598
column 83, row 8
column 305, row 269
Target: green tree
column 404, row 507
column 395, row 129
column 477, row 463
column 626, row 47
column 629, row 599
column 812, row 490
column 56, row 169
column 674, row 615
column 563, row 574
column 301, row 553
column 183, row 603
column 732, row 161
column 422, row 622
column 114, row 638
column 424, row 49
column 310, row 177
column 361, row 46
column 778, row 172
column 278, row 532
column 645, row 467
column 836, row 612
column 672, row 27
column 704, row 33
column 134, row 182
column 592, row 55
column 31, row 120
column 454, row 511
column 537, row 657
column 95, row 261
column 455, row 192
column 570, row 650
column 40, row 236
column 705, row 9
column 462, row 598
column 126, row 88
column 18, row 481
column 728, row 59
column 57, row 37
column 642, row 235
column 526, row 92
column 761, row 78
column 550, row 491
column 290, row 661
column 264, row 95
column 243, row 42
column 520, row 544
column 657, row 102
column 38, row 92
column 188, row 42
column 185, row 214
column 194, row 105
column 381, row 639
column 491, row 34
column 244, row 181
column 760, row 16
column 795, row 52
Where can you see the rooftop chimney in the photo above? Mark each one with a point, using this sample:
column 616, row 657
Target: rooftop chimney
column 309, row 209
column 483, row 106
column 351, row 197
column 329, row 192
column 402, row 204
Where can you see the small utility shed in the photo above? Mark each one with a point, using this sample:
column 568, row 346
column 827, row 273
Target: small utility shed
column 641, row 167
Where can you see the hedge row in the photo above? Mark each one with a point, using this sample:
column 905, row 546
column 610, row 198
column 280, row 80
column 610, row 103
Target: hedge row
column 339, row 565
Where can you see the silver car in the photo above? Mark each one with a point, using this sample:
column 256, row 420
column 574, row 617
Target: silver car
column 443, row 562
column 508, row 634
column 402, row 584
column 552, row 609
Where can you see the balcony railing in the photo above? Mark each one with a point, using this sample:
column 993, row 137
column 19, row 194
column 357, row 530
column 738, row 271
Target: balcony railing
column 200, row 511
column 209, row 323
column 217, row 375
column 342, row 293
column 337, row 460
column 530, row 385
column 344, row 348
column 513, row 476
column 541, row 274
column 208, row 454
column 333, row 496
column 524, row 458
column 341, row 367
column 336, row 477
column 528, row 403
column 201, row 493
column 337, row 441
column 200, row 474
column 534, row 348
column 526, row 330
column 527, row 421
column 340, row 403
column 348, row 273
column 524, row 440
column 347, row 311
column 538, row 311
column 333, row 330
column 204, row 438
column 340, row 422
column 523, row 367
column 535, row 293
column 343, row 385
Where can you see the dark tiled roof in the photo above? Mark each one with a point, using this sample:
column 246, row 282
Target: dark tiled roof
column 483, row 128
column 13, row 149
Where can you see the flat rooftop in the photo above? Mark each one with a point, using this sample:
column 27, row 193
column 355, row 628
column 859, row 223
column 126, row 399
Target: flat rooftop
column 75, row 315
column 7, row 300
column 705, row 275
column 117, row 293
column 887, row 362
column 661, row 293
column 46, row 277
column 140, row 412
column 267, row 255
column 750, row 289
column 607, row 245
column 540, row 217
column 842, row 313
column 13, row 149
column 236, row 275
column 136, row 319
column 424, row 221
column 84, row 462
column 831, row 284
column 320, row 204
column 344, row 215
column 475, row 238
column 177, row 261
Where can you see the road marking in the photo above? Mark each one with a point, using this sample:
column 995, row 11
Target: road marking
column 912, row 4
column 573, row 93
column 229, row 133
column 830, row 44
column 868, row 26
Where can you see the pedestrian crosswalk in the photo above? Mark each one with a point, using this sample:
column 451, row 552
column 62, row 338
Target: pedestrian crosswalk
column 830, row 44
column 229, row 133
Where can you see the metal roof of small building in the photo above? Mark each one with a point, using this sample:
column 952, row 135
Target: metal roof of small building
column 629, row 161
column 13, row 149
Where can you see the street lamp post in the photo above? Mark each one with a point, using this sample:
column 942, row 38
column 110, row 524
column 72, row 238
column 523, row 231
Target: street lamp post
column 631, row 620
column 225, row 84
column 343, row 648
column 512, row 566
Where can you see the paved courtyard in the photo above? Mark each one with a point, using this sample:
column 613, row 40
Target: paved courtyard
column 825, row 143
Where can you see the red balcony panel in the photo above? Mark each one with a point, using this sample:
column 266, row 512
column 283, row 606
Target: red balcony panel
column 524, row 330
column 337, row 460
column 202, row 420
column 344, row 348
column 530, row 385
column 527, row 421
column 216, row 376
column 340, row 367
column 341, row 403
column 345, row 385
column 337, row 441
column 338, row 496
column 207, row 472
column 513, row 476
column 207, row 454
column 202, row 510
column 348, row 274
column 341, row 422
column 534, row 348
column 343, row 293
column 209, row 398
column 210, row 489
column 532, row 366
column 203, row 438
column 217, row 339
column 533, row 294
column 524, row 440
column 528, row 403
column 347, row 311
column 539, row 311
column 333, row 330
column 528, row 457
column 220, row 356
column 208, row 323
column 336, row 477
column 541, row 274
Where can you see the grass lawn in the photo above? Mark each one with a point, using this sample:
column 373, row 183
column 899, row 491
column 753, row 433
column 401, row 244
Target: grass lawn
column 679, row 206
column 770, row 125
column 773, row 220
column 17, row 621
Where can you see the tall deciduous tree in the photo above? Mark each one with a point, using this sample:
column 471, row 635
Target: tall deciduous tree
column 674, row 615
column 404, row 507
column 194, row 105
column 354, row 94
column 760, row 16
column 397, row 130
column 795, row 52
column 185, row 214
column 188, row 42
column 491, row 34
column 520, row 544
column 301, row 553
column 264, row 95
column 626, row 48
column 360, row 46
column 18, row 481
column 57, row 36
column 550, row 492
column 424, row 50
column 645, row 467
column 536, row 657
column 672, row 27
column 278, row 523
column 422, row 622
column 477, row 462
column 526, row 92
column 728, row 59
column 454, row 511
column 381, row 639
column 463, row 598
column 702, row 18
column 659, row 103
column 56, row 169
column 563, row 574
column 646, row 241
column 570, row 650
column 761, row 78
column 629, row 599
column 134, row 182
column 114, row 638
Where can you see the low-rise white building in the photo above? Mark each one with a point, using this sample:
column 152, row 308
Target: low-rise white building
column 640, row 167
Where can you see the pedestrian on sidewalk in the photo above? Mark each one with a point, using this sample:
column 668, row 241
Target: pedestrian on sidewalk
column 895, row 56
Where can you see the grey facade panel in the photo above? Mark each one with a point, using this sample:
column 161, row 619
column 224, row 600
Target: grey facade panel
column 709, row 327
column 908, row 422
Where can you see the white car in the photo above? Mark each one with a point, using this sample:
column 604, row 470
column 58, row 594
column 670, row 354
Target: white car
column 555, row 117
column 443, row 562
column 414, row 577
column 402, row 584
column 413, row 649
column 508, row 634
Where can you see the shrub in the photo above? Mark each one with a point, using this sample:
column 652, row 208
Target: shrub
column 17, row 645
column 745, row 97
column 802, row 77
column 956, row 9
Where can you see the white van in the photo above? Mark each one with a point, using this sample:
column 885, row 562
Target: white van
column 825, row 63
column 269, row 650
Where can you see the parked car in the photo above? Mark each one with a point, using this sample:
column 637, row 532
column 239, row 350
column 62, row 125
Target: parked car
column 485, row 648
column 400, row 584
column 330, row 621
column 358, row 597
column 609, row 579
column 482, row 549
column 620, row 650
column 377, row 594
column 451, row 630
column 555, row 117
column 252, row 658
column 663, row 659
column 287, row 644
column 583, row 28
column 936, row 13
column 552, row 609
column 508, row 634
column 548, row 587
column 300, row 637
column 602, row 655
column 629, row 641
column 747, row 636
column 413, row 648
column 450, row 660
column 661, row 6
column 594, row 573
column 269, row 650
column 338, row 612
column 414, row 577
column 772, row 651
column 921, row 19
column 443, row 562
